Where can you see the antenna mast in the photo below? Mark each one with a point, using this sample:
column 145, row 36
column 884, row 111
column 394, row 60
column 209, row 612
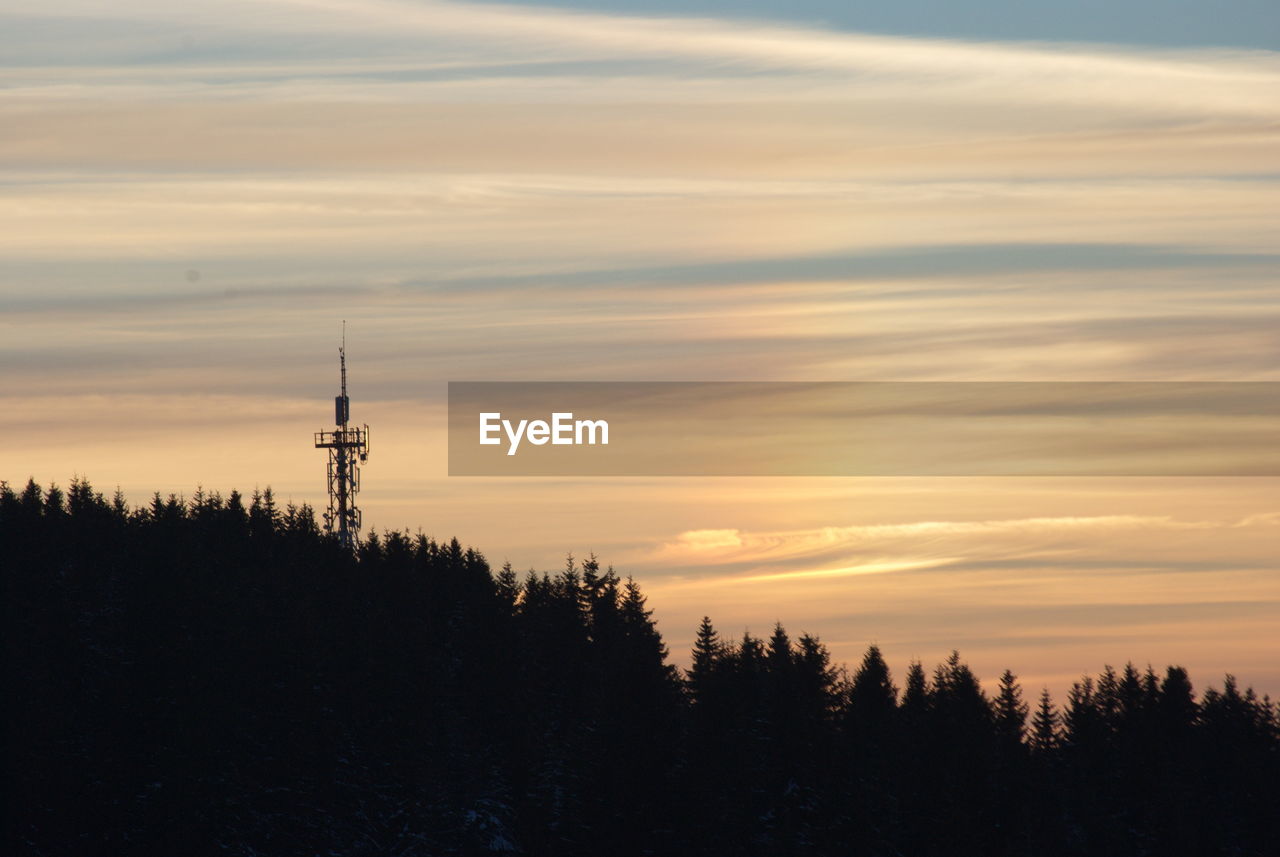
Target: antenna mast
column 348, row 449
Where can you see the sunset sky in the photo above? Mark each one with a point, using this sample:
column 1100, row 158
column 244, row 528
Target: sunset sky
column 194, row 195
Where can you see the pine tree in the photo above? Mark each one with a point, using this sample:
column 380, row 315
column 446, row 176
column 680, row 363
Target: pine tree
column 1010, row 710
column 916, row 694
column 54, row 501
column 707, row 651
column 644, row 643
column 1082, row 726
column 1177, row 700
column 873, row 698
column 751, row 655
column 254, row 688
column 816, row 679
column 33, row 497
column 506, row 587
column 1108, row 697
column 599, row 600
column 1045, row 725
column 958, row 696
column 779, row 651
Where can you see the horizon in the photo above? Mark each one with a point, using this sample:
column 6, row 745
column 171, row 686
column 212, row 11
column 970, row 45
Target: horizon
column 1058, row 686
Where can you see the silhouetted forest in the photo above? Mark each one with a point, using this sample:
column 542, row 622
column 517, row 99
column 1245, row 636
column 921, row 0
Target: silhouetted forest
column 215, row 676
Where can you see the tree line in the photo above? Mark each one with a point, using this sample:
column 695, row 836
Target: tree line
column 215, row 675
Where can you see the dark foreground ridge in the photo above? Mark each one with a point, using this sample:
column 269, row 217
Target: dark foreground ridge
column 204, row 678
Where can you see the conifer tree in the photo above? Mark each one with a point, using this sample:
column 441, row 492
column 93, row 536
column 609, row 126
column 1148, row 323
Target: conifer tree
column 1010, row 710
column 872, row 695
column 506, row 587
column 1044, row 725
column 779, row 651
column 916, row 694
column 1177, row 700
column 707, row 651
column 195, row 676
column 1081, row 724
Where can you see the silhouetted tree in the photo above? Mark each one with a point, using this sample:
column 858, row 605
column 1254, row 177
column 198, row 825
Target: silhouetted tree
column 204, row 675
column 1010, row 711
column 1045, row 725
column 873, row 698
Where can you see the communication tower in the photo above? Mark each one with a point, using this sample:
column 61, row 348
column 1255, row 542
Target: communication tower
column 348, row 448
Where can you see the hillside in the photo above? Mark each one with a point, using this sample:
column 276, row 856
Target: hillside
column 216, row 676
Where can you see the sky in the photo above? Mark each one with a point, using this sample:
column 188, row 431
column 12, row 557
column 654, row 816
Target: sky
column 194, row 196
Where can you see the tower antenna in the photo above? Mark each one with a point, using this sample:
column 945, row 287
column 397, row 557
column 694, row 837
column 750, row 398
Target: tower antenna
column 348, row 448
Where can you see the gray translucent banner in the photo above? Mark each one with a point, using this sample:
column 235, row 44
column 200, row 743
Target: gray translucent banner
column 864, row 429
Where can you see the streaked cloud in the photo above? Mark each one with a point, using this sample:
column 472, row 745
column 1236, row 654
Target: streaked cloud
column 732, row 548
column 1233, row 82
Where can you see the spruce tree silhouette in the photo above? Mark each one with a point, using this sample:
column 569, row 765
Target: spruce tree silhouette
column 217, row 676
